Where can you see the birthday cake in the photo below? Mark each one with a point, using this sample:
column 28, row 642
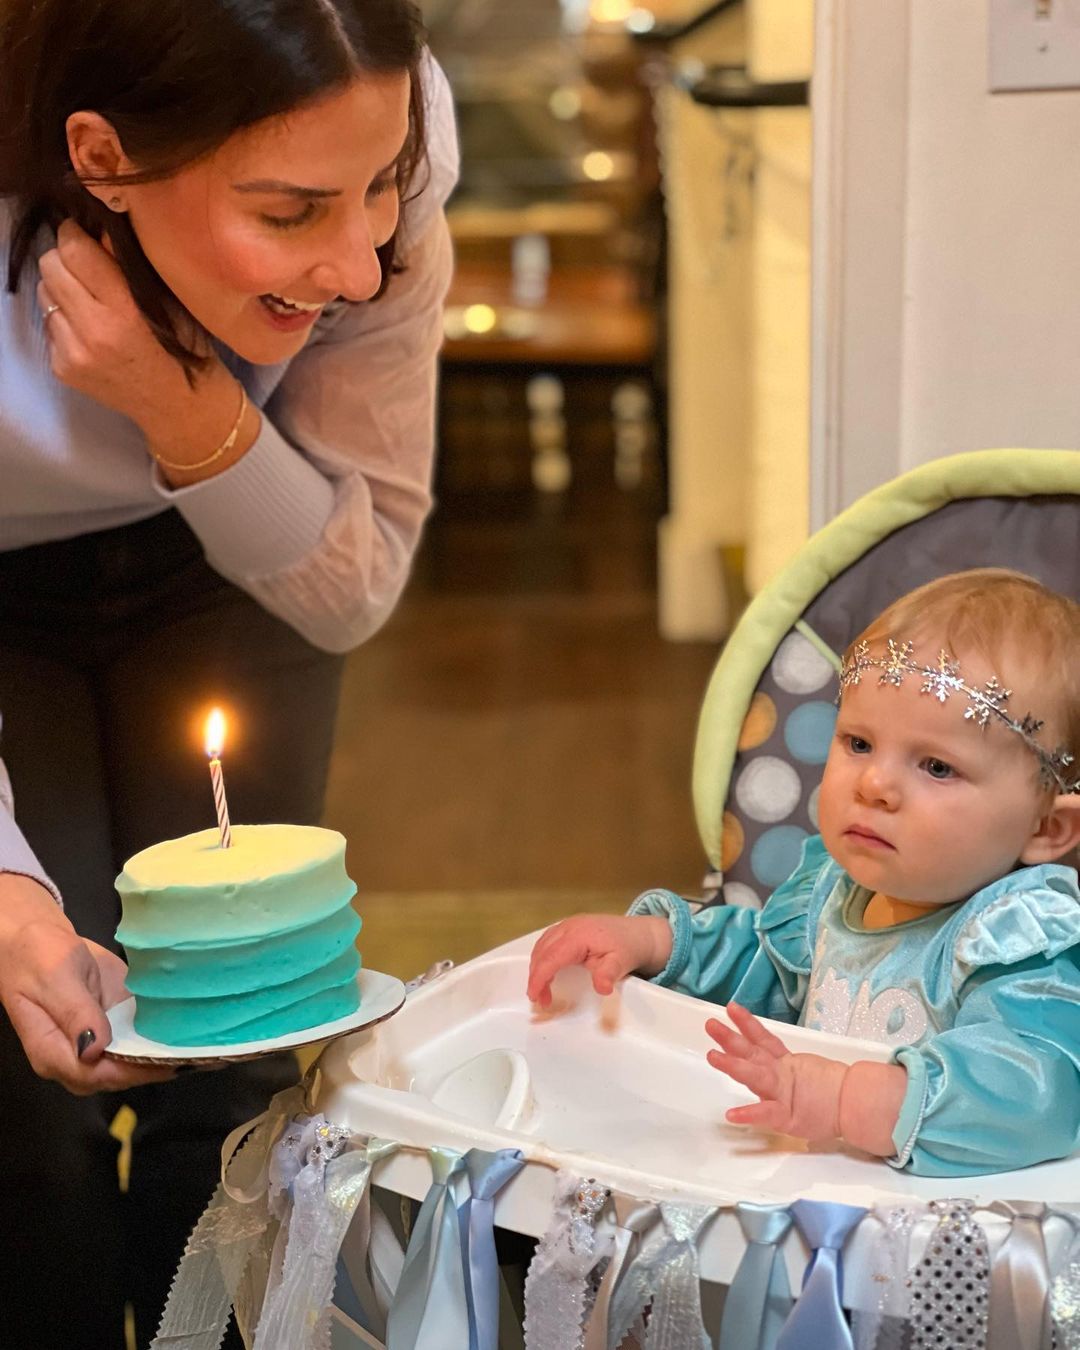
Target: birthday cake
column 236, row 944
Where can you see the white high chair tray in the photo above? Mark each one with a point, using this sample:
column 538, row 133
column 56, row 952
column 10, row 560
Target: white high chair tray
column 617, row 1088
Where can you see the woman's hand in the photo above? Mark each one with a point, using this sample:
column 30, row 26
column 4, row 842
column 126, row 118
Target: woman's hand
column 608, row 946
column 99, row 341
column 807, row 1096
column 55, row 987
column 101, row 345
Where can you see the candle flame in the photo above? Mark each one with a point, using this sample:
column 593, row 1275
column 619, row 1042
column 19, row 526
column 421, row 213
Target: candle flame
column 215, row 733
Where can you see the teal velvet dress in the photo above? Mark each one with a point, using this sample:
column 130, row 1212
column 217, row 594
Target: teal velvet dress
column 980, row 1000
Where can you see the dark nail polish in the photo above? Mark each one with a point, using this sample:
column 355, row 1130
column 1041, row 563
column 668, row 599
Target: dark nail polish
column 85, row 1041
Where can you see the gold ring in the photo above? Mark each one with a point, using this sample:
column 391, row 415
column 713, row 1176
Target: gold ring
column 49, row 311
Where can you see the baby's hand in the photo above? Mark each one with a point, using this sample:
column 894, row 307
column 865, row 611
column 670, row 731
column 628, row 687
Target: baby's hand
column 800, row 1094
column 608, row 946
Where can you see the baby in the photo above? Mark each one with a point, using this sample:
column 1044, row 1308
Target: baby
column 932, row 913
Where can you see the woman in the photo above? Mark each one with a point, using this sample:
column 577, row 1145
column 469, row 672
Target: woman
column 226, row 259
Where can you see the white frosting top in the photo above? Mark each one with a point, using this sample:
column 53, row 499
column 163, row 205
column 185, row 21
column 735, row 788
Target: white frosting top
column 273, row 878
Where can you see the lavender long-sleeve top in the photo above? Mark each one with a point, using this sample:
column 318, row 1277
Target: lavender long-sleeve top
column 320, row 519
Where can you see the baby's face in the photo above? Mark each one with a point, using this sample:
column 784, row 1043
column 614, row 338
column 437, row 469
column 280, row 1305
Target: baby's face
column 919, row 803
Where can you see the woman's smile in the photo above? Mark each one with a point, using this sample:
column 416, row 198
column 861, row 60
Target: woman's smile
column 288, row 316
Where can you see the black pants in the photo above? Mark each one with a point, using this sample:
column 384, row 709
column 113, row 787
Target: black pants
column 112, row 648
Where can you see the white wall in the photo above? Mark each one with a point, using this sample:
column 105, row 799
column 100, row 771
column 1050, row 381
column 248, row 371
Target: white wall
column 946, row 310
column 738, row 200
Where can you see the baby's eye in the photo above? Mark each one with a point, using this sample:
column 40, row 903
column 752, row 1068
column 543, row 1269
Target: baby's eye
column 858, row 746
column 937, row 768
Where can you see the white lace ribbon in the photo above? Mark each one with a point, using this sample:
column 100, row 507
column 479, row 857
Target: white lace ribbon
column 557, row 1290
column 220, row 1253
column 316, row 1184
column 665, row 1273
column 877, row 1323
column 633, row 1218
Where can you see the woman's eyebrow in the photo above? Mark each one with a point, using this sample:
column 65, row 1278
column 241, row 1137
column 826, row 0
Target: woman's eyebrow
column 276, row 185
column 285, row 189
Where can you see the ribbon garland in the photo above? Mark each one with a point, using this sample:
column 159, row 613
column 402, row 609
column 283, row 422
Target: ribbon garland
column 370, row 1261
column 488, row 1174
column 314, row 1191
column 220, row 1252
column 293, row 1218
column 430, row 1310
column 1020, row 1281
column 759, row 1300
column 950, row 1285
column 664, row 1274
column 557, row 1295
column 817, row 1321
column 632, row 1220
column 675, row 1321
column 880, row 1325
column 1065, row 1291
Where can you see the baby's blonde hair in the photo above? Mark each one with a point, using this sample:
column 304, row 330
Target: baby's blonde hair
column 997, row 613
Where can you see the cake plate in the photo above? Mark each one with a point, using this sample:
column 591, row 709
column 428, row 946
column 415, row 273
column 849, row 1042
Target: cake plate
column 380, row 997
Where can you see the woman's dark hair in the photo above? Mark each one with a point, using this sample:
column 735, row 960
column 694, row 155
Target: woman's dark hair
column 176, row 78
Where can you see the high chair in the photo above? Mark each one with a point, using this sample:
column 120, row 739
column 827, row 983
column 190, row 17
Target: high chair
column 625, row 1168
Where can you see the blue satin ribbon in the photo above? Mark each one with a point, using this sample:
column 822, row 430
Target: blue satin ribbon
column 488, row 1174
column 817, row 1320
column 759, row 1300
column 430, row 1309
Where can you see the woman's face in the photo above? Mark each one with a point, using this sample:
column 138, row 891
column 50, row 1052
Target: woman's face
column 282, row 218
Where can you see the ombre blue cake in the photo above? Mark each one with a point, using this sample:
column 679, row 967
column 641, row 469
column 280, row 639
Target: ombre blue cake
column 239, row 944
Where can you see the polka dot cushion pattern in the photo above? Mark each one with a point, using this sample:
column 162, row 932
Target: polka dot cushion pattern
column 772, row 802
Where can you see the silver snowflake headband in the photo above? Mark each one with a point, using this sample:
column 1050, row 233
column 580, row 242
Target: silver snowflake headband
column 944, row 680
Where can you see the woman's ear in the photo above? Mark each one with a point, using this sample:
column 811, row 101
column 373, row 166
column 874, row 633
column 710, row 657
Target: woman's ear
column 1057, row 832
column 96, row 152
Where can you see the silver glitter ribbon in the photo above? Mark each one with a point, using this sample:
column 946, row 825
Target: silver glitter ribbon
column 1020, row 1281
column 665, row 1273
column 314, row 1191
column 220, row 1267
column 950, row 1285
column 557, row 1292
column 633, row 1219
column 1065, row 1290
column 878, row 1322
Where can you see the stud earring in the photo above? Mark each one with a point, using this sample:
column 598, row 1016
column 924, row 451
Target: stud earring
column 114, row 203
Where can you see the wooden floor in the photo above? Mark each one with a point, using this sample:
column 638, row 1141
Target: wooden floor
column 516, row 744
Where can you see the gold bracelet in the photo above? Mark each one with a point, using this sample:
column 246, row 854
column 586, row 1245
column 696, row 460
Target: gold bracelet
column 223, row 449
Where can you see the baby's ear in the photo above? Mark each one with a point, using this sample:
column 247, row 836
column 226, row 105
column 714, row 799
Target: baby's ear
column 1057, row 833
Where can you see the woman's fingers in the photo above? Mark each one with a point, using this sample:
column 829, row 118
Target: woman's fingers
column 53, row 1051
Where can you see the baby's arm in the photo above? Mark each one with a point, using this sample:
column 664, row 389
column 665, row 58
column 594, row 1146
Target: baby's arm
column 808, row 1096
column 608, row 946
